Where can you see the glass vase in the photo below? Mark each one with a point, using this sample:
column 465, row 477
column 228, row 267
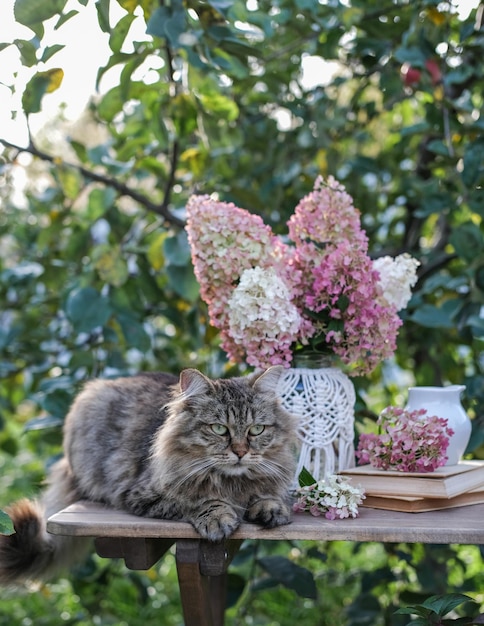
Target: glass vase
column 322, row 397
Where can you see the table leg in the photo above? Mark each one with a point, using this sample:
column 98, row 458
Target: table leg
column 202, row 576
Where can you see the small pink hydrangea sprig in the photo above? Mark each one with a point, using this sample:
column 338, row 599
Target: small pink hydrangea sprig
column 408, row 441
column 334, row 497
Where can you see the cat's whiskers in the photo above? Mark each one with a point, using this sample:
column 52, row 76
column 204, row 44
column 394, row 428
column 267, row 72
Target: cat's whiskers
column 271, row 468
column 197, row 467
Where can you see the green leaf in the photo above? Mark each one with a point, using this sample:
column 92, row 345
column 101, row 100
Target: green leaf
column 111, row 104
column 473, row 163
column 70, row 181
column 176, row 249
column 408, row 610
column 35, row 90
column 28, row 51
column 431, row 316
column 115, row 59
column 110, row 264
column 102, row 7
column 119, row 32
column 134, row 332
column 222, row 6
column 433, row 203
column 290, row 575
column 65, row 17
column 38, row 86
column 184, row 113
column 413, row 55
column 155, row 253
column 87, row 309
column 175, row 26
column 79, row 149
column 468, row 241
column 100, row 201
column 48, row 385
column 438, row 147
column 183, row 282
column 476, row 201
column 6, row 524
column 219, row 105
column 50, row 51
column 157, row 22
column 443, row 604
column 126, row 83
column 459, row 75
column 306, row 479
column 32, row 12
column 128, row 5
column 415, row 129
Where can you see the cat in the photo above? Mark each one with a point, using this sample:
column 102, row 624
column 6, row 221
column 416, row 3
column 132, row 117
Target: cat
column 208, row 452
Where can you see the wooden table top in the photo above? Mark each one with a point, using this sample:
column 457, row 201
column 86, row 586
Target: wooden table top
column 464, row 525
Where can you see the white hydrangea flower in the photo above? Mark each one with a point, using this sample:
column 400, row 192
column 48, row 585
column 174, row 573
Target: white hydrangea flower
column 261, row 303
column 397, row 277
column 334, row 497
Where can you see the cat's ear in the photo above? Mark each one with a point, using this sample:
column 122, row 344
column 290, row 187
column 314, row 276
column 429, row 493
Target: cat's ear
column 194, row 383
column 267, row 381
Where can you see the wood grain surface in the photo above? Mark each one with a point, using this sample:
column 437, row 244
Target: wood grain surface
column 463, row 525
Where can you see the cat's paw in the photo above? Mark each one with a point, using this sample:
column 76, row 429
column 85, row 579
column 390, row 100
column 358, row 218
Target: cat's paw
column 269, row 513
column 217, row 522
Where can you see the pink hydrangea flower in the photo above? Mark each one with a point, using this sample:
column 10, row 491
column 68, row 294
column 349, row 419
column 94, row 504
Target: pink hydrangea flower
column 408, row 441
column 355, row 325
column 325, row 217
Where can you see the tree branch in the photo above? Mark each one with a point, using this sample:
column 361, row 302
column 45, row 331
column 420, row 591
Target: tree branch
column 123, row 189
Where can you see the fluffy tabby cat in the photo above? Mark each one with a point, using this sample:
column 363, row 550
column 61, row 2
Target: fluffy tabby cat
column 210, row 452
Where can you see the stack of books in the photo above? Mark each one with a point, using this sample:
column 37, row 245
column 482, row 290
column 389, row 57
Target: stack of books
column 447, row 487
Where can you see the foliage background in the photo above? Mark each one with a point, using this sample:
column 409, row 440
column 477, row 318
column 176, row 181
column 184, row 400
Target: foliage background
column 95, row 272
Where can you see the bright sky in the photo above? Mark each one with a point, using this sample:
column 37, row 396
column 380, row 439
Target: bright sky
column 86, row 50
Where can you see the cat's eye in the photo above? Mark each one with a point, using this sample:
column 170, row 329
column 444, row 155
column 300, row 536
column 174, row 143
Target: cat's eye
column 256, row 429
column 219, row 429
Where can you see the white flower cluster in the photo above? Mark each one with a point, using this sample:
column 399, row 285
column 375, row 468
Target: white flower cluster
column 334, row 497
column 397, row 277
column 262, row 302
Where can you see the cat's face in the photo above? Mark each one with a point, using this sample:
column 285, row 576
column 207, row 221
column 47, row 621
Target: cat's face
column 236, row 425
column 235, row 432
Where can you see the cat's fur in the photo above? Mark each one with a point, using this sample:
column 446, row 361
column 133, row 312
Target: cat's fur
column 148, row 445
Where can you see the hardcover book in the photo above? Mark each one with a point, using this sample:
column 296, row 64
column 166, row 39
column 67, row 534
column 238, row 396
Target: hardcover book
column 419, row 505
column 445, row 482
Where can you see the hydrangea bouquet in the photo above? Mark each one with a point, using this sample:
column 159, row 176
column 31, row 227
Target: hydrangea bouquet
column 316, row 291
column 334, row 497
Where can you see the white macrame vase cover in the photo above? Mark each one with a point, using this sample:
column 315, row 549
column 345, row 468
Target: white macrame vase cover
column 323, row 400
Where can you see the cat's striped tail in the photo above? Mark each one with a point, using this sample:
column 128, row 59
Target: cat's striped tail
column 31, row 553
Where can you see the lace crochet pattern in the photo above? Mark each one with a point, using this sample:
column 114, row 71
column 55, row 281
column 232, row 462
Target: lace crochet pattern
column 323, row 400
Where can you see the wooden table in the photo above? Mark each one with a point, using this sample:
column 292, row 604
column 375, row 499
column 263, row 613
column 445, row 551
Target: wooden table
column 202, row 566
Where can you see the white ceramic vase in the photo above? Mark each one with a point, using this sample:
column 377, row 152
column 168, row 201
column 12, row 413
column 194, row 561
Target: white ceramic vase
column 323, row 399
column 445, row 402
